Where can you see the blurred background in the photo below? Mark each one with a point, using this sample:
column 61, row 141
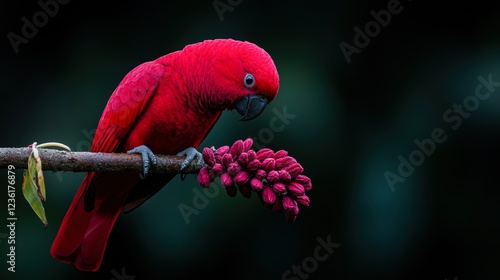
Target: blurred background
column 357, row 112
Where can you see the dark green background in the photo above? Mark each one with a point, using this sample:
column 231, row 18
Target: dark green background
column 352, row 122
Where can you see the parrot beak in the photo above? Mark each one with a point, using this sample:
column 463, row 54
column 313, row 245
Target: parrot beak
column 251, row 106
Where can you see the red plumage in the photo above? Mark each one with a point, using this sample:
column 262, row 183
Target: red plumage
column 168, row 104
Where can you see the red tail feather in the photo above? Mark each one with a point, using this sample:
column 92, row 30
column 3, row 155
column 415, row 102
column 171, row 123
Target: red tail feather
column 82, row 237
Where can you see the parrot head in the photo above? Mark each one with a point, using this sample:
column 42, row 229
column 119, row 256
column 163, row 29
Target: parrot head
column 242, row 76
column 249, row 78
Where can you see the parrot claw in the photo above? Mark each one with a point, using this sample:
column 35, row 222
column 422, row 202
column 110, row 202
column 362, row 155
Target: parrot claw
column 191, row 154
column 148, row 158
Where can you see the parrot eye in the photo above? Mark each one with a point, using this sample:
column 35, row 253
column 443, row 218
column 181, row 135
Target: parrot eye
column 249, row 80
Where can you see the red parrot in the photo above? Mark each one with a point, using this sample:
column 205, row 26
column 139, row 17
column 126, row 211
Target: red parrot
column 166, row 106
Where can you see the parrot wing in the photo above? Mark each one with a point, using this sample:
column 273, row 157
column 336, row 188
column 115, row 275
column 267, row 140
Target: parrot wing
column 124, row 107
column 85, row 229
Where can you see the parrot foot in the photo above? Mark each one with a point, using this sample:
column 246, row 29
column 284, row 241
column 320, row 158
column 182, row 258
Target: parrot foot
column 191, row 154
column 148, row 158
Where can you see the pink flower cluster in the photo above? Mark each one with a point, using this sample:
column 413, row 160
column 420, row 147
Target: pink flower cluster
column 276, row 177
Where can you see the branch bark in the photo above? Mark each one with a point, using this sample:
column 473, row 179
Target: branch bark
column 56, row 160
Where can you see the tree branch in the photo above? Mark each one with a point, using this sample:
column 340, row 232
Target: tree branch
column 56, row 160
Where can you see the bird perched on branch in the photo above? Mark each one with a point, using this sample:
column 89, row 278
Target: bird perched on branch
column 166, row 106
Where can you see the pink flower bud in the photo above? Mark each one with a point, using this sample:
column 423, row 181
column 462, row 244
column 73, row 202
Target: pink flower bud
column 253, row 166
column 217, row 169
column 303, row 199
column 294, row 169
column 288, row 203
column 280, row 154
column 304, row 181
column 236, row 149
column 218, row 158
column 226, row 160
column 251, row 155
column 208, row 156
column 241, row 178
column 260, row 174
column 264, row 153
column 279, row 188
column 243, row 159
column 308, row 187
column 268, row 164
column 226, row 180
column 284, row 162
column 278, row 204
column 204, row 177
column 233, row 169
column 222, row 150
column 245, row 190
column 247, row 144
column 273, row 176
column 268, row 196
column 296, row 189
column 284, row 176
column 256, row 184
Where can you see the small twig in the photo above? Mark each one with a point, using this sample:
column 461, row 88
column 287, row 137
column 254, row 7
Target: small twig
column 56, row 160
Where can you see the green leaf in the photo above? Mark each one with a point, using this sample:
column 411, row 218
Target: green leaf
column 33, row 182
column 40, row 183
column 34, row 186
